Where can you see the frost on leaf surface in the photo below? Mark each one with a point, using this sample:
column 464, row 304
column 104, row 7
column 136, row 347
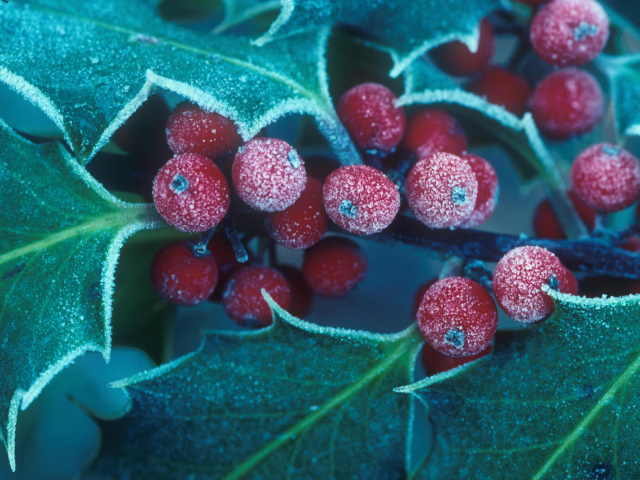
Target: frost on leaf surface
column 405, row 28
column 105, row 57
column 557, row 400
column 293, row 400
column 623, row 74
column 60, row 235
column 238, row 11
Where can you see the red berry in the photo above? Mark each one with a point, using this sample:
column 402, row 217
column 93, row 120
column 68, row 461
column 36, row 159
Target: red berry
column 417, row 298
column 458, row 317
column 301, row 291
column 360, row 199
column 243, row 301
column 268, row 174
column 435, row 362
column 567, row 102
column 191, row 193
column 606, row 177
column 455, row 58
column 570, row 32
column 518, row 279
column 571, row 282
column 334, row 266
column 369, row 114
column 191, row 129
column 302, row 224
column 547, row 225
column 442, row 190
column 431, row 131
column 487, row 191
column 221, row 249
column 182, row 278
column 631, row 244
column 502, row 87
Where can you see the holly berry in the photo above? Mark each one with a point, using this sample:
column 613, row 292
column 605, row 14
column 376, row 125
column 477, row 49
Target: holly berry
column 431, row 131
column 487, row 191
column 606, row 177
column 518, row 280
column 567, row 102
column 547, row 225
column 304, row 223
column 502, row 87
column 631, row 244
column 191, row 193
column 221, row 249
column 455, row 58
column 301, row 291
column 243, row 301
column 570, row 32
column 268, row 174
column 435, row 362
column 442, row 190
column 458, row 317
column 417, row 298
column 360, row 199
column 369, row 114
column 191, row 129
column 334, row 266
column 182, row 278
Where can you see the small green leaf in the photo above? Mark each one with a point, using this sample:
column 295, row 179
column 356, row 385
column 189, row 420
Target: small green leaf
column 623, row 74
column 291, row 401
column 61, row 233
column 555, row 401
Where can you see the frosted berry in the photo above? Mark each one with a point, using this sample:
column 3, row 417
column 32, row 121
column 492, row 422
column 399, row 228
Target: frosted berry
column 360, row 199
column 191, row 129
column 334, row 266
column 570, row 32
column 431, row 131
column 191, row 193
column 442, row 190
column 369, row 114
column 243, row 301
column 518, row 279
column 182, row 278
column 268, row 174
column 417, row 298
column 455, row 58
column 502, row 87
column 221, row 249
column 487, row 191
column 302, row 224
column 435, row 362
column 547, row 225
column 301, row 291
column 606, row 177
column 458, row 317
column 567, row 102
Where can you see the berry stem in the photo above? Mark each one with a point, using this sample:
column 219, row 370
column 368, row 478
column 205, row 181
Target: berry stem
column 452, row 267
column 477, row 271
column 200, row 248
column 238, row 248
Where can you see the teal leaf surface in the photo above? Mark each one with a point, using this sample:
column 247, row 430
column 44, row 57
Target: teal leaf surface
column 623, row 74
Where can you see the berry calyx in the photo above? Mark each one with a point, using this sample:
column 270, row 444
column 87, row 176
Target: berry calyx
column 431, row 131
column 518, row 280
column 458, row 317
column 301, row 291
column 569, row 32
column 334, row 266
column 182, row 278
column 360, row 199
column 302, row 224
column 606, row 177
column 191, row 129
column 487, row 191
column 567, row 102
column 547, row 225
column 191, row 193
column 502, row 87
column 369, row 114
column 435, row 362
column 456, row 59
column 268, row 174
column 442, row 190
column 242, row 298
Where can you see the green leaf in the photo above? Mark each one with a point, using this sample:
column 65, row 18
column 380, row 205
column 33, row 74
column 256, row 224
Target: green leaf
column 293, row 400
column 405, row 28
column 623, row 74
column 107, row 56
column 238, row 11
column 554, row 400
column 61, row 233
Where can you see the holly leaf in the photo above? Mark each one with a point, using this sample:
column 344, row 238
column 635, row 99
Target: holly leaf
column 623, row 75
column 108, row 56
column 404, row 28
column 293, row 400
column 239, row 11
column 556, row 400
column 61, row 235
